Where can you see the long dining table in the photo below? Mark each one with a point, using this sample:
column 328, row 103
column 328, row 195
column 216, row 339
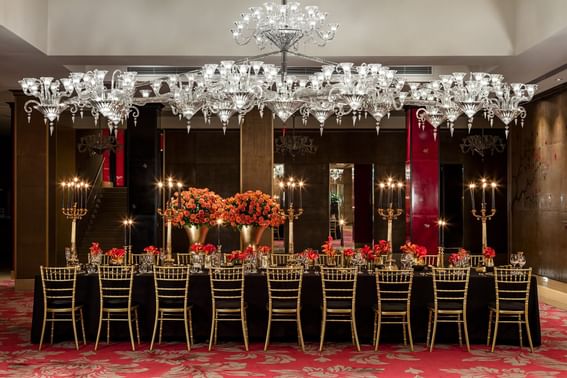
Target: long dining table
column 481, row 293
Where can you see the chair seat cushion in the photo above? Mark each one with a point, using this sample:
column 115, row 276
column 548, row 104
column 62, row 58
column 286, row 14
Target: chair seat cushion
column 228, row 304
column 284, row 304
column 339, row 304
column 392, row 307
column 115, row 303
column 171, row 303
column 61, row 303
column 508, row 305
column 447, row 305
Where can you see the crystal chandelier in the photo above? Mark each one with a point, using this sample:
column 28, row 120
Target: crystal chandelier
column 233, row 88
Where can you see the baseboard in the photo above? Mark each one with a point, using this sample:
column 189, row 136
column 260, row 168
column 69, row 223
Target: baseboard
column 24, row 284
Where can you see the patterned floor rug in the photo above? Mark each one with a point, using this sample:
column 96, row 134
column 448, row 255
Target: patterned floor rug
column 19, row 358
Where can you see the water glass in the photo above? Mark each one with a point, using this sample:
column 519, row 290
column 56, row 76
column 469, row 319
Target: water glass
column 514, row 259
column 521, row 259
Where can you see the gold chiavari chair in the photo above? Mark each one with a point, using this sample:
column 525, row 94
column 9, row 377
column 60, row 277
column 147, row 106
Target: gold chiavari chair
column 284, row 299
column 339, row 300
column 227, row 294
column 172, row 287
column 511, row 306
column 105, row 260
column 331, row 261
column 282, row 259
column 59, row 297
column 450, row 288
column 184, row 259
column 115, row 285
column 476, row 260
column 394, row 294
column 431, row 260
column 136, row 258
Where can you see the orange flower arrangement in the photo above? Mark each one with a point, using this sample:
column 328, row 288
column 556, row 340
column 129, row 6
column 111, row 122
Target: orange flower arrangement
column 199, row 206
column 382, row 247
column 116, row 253
column 252, row 208
column 414, row 249
column 327, row 247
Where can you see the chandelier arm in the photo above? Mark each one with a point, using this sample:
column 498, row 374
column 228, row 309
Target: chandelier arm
column 312, row 58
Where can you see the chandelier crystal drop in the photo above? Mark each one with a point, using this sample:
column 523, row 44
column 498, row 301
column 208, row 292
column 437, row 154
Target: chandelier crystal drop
column 234, row 88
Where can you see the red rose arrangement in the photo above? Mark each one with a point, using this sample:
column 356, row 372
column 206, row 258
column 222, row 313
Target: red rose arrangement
column 310, row 254
column 264, row 249
column 327, row 247
column 197, row 207
column 414, row 249
column 367, row 252
column 454, row 258
column 489, row 252
column 252, row 208
column 207, row 249
column 382, row 247
column 240, row 255
column 116, row 253
column 348, row 252
column 95, row 249
column 152, row 250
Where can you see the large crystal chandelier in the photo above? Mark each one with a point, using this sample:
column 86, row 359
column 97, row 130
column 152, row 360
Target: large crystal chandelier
column 233, row 88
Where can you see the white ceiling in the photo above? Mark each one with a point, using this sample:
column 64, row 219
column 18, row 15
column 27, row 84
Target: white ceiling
column 523, row 39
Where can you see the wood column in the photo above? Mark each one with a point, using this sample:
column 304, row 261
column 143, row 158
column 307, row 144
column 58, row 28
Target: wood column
column 31, row 192
column 257, row 156
column 422, row 184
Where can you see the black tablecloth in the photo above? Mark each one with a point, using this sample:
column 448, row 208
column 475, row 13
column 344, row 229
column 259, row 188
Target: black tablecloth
column 481, row 292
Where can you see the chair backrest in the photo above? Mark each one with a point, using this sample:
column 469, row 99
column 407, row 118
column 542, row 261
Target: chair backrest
column 450, row 285
column 394, row 286
column 476, row 260
column 339, row 284
column 227, row 284
column 431, row 260
column 171, row 283
column 512, row 286
column 137, row 258
column 325, row 260
column 281, row 259
column 184, row 259
column 58, row 284
column 115, row 283
column 284, row 284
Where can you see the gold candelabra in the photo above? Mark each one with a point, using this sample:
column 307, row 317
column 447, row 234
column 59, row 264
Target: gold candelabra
column 387, row 210
column 485, row 214
column 287, row 195
column 168, row 213
column 74, row 207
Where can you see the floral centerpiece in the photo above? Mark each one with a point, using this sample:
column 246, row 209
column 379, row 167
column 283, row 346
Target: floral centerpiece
column 252, row 212
column 381, row 249
column 95, row 253
column 415, row 250
column 207, row 249
column 348, row 253
column 459, row 259
column 196, row 209
column 152, row 250
column 308, row 257
column 116, row 255
column 238, row 256
column 489, row 253
column 367, row 253
column 329, row 251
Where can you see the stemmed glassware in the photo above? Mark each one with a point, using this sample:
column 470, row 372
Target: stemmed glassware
column 520, row 259
column 514, row 260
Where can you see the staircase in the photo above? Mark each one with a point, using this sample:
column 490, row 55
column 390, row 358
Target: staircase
column 104, row 225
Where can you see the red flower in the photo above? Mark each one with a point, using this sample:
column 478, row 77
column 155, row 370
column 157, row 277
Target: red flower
column 252, row 208
column 382, row 247
column 197, row 247
column 327, row 247
column 310, row 254
column 199, row 206
column 264, row 249
column 348, row 252
column 95, row 249
column 209, row 248
column 116, row 253
column 489, row 252
column 152, row 250
column 367, row 253
column 454, row 258
column 414, row 249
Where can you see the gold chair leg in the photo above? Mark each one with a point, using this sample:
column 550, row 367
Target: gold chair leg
column 43, row 329
column 355, row 332
column 186, row 323
column 375, row 329
column 268, row 330
column 99, row 328
column 404, row 330
column 323, row 326
column 130, row 329
column 160, row 326
column 191, row 327
column 155, row 329
column 529, row 332
column 496, row 321
column 428, row 339
column 378, row 329
column 466, row 328
column 83, row 326
column 137, row 325
column 459, row 323
column 52, row 326
column 489, row 327
column 520, row 331
column 74, row 321
column 409, row 332
column 216, row 330
column 213, row 326
column 244, row 328
column 300, row 332
column 434, row 332
column 108, row 328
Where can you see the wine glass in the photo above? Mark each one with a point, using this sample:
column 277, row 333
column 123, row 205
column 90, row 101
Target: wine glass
column 521, row 259
column 514, row 259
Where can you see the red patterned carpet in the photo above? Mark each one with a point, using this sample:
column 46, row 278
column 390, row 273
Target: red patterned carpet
column 18, row 358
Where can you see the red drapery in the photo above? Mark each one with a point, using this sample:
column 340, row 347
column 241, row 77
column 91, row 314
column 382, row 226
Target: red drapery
column 120, row 158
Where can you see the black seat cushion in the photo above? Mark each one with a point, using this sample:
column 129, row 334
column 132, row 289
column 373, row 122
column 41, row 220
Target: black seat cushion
column 284, row 303
column 60, row 303
column 115, row 303
column 171, row 302
column 339, row 304
column 228, row 303
column 392, row 307
column 447, row 305
column 508, row 305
